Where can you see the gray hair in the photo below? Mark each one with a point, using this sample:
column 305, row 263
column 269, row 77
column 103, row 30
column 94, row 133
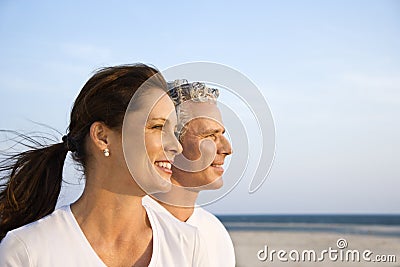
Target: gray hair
column 182, row 91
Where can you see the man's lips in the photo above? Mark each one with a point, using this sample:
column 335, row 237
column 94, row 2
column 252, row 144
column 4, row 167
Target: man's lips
column 218, row 166
column 217, row 163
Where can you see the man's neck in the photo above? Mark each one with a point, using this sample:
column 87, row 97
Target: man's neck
column 179, row 202
column 181, row 213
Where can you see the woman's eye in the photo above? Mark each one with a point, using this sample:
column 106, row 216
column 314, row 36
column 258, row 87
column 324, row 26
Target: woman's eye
column 158, row 126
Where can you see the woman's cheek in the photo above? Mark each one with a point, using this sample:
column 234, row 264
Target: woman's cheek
column 153, row 143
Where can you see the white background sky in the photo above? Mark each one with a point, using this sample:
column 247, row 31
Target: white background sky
column 330, row 71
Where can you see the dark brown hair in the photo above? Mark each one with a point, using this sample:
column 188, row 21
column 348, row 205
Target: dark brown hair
column 31, row 180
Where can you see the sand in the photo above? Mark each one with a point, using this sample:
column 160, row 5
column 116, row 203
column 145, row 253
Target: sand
column 248, row 243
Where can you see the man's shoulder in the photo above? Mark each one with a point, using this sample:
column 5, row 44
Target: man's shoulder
column 201, row 217
column 205, row 214
column 215, row 236
column 164, row 217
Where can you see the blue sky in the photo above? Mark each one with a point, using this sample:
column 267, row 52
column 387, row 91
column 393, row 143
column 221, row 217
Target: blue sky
column 329, row 70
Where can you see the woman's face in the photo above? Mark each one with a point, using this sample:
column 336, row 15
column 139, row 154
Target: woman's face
column 149, row 142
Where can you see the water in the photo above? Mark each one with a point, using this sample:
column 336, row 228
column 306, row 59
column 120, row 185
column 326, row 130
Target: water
column 383, row 225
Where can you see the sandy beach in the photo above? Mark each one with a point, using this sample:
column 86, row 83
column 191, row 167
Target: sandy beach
column 248, row 244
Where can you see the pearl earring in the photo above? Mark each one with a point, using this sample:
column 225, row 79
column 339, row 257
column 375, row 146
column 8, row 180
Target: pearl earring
column 106, row 152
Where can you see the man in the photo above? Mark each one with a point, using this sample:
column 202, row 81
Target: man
column 199, row 167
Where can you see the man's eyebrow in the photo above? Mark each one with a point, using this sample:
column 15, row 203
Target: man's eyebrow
column 213, row 131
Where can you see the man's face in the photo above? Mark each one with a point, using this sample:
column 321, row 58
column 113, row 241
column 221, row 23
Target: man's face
column 205, row 145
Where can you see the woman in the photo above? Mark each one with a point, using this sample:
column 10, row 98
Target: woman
column 107, row 225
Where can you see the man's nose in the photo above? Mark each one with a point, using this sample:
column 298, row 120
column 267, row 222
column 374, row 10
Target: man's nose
column 225, row 147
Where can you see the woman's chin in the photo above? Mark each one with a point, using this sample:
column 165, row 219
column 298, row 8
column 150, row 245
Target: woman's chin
column 162, row 185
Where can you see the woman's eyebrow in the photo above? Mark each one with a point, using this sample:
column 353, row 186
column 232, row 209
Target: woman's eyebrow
column 158, row 119
column 164, row 121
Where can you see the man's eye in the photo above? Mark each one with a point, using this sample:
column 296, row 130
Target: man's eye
column 158, row 126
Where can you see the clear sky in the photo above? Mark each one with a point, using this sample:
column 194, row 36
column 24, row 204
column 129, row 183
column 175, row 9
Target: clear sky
column 330, row 71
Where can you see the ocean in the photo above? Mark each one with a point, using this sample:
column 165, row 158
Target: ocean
column 381, row 225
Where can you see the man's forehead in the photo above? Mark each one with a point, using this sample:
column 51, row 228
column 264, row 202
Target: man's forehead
column 201, row 110
column 204, row 125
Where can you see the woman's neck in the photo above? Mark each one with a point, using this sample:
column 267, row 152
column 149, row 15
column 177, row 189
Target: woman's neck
column 116, row 226
column 110, row 203
column 110, row 215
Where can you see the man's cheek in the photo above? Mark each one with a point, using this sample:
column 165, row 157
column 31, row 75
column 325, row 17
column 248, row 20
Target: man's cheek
column 208, row 151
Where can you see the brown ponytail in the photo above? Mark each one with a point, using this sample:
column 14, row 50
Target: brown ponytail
column 31, row 181
column 34, row 183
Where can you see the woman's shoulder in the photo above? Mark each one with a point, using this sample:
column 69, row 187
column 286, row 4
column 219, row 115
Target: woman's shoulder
column 40, row 234
column 13, row 251
column 42, row 228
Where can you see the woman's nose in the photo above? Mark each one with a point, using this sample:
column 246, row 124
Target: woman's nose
column 171, row 143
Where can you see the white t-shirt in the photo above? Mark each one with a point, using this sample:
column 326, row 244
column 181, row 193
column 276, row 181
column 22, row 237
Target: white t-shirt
column 213, row 233
column 57, row 240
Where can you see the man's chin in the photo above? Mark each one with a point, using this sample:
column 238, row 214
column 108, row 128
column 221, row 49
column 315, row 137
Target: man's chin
column 214, row 185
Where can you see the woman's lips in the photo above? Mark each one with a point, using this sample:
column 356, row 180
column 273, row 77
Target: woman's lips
column 164, row 166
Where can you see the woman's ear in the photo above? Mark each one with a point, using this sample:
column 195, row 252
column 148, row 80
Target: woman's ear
column 99, row 134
